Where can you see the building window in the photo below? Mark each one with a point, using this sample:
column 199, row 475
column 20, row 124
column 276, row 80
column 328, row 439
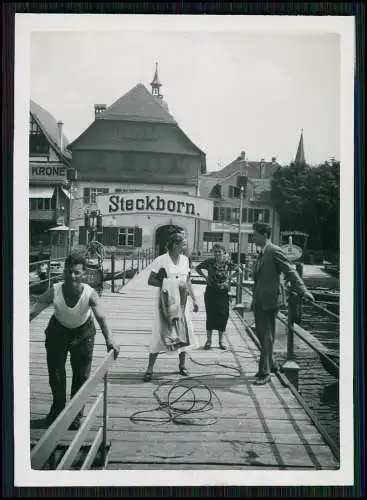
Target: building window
column 38, row 144
column 126, row 237
column 90, row 194
column 216, row 214
column 99, row 236
column 266, row 215
column 233, row 242
column 42, row 204
column 236, row 215
column 258, row 215
column 233, row 192
column 244, row 215
column 251, row 248
column 118, row 190
column 209, row 240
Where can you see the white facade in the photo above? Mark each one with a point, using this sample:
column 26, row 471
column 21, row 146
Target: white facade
column 85, row 197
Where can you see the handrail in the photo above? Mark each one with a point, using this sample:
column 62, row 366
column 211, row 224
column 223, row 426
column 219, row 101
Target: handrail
column 142, row 258
column 47, row 261
column 298, row 331
column 55, row 276
column 317, row 306
column 46, row 446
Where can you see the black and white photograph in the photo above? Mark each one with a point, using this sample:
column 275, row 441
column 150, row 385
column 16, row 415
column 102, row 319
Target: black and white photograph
column 183, row 260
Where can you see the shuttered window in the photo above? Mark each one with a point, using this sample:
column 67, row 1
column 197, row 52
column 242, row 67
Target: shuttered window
column 110, row 236
column 82, row 235
column 90, row 194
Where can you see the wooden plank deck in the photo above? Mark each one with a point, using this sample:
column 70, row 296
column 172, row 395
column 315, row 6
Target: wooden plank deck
column 248, row 427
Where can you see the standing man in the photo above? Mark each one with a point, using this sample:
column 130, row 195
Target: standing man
column 268, row 295
column 71, row 329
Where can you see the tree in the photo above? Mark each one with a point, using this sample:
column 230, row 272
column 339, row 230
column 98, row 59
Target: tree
column 307, row 199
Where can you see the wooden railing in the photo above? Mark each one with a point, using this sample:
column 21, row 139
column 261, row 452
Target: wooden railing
column 44, row 453
column 133, row 264
column 33, row 267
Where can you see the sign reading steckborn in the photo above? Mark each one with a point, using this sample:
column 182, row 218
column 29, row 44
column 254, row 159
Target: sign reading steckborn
column 153, row 203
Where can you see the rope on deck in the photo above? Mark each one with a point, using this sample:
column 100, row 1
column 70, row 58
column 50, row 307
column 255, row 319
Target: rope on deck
column 179, row 410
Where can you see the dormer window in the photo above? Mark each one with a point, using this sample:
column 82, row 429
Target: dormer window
column 216, row 192
column 38, row 144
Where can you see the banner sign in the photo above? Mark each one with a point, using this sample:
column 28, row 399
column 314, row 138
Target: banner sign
column 153, row 203
column 47, row 173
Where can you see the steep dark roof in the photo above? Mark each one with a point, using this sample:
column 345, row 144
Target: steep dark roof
column 137, row 105
column 253, row 169
column 110, row 135
column 48, row 125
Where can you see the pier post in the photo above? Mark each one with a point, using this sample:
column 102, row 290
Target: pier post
column 112, row 272
column 291, row 368
column 297, row 316
column 49, row 273
column 239, row 287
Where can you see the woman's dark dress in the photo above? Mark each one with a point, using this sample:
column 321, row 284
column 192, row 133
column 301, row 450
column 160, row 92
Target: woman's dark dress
column 216, row 293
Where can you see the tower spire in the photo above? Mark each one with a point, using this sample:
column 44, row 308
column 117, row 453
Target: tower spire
column 300, row 156
column 156, row 84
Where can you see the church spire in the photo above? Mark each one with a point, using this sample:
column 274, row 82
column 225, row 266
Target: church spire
column 156, row 84
column 300, row 156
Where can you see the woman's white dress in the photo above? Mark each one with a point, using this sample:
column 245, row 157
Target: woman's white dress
column 179, row 271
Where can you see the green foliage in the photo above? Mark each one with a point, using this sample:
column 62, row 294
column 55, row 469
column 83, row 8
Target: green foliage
column 307, row 199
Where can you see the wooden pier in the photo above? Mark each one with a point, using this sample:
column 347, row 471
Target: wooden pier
column 246, row 427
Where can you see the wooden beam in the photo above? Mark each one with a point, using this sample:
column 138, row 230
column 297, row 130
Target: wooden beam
column 89, row 459
column 47, row 444
column 67, row 460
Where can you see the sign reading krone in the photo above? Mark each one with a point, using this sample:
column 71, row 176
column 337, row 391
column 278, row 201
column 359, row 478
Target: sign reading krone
column 153, row 203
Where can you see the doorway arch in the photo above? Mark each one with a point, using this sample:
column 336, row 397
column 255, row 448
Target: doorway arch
column 162, row 233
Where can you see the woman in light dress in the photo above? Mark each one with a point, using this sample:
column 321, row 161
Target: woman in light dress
column 176, row 265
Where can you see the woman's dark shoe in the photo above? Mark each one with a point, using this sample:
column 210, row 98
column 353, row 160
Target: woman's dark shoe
column 262, row 380
column 207, row 345
column 222, row 346
column 183, row 371
column 147, row 376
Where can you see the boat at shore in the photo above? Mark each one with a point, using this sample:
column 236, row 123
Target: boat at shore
column 330, row 361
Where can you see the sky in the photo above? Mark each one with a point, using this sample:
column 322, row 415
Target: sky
column 228, row 91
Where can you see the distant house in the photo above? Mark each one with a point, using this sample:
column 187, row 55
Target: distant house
column 49, row 161
column 132, row 148
column 223, row 187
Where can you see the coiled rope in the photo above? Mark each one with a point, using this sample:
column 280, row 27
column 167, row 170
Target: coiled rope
column 189, row 400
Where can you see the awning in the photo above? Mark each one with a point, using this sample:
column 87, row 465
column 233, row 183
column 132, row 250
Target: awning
column 61, row 228
column 41, row 192
column 66, row 193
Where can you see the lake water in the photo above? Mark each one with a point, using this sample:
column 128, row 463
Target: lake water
column 319, row 389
